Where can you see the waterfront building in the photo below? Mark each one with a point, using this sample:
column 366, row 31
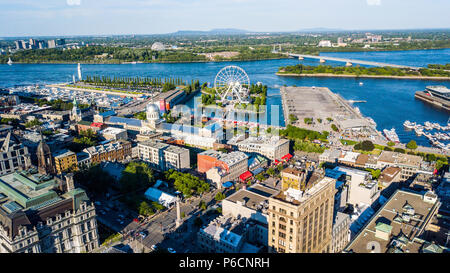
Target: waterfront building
column 64, row 160
column 46, row 164
column 13, row 155
column 163, row 156
column 44, row 214
column 348, row 158
column 341, row 232
column 324, row 43
column 398, row 226
column 273, row 148
column 301, row 221
column 330, row 155
column 113, row 151
column 410, row 164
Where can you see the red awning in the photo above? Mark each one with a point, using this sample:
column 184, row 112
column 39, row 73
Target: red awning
column 245, row 175
column 276, row 161
column 287, row 157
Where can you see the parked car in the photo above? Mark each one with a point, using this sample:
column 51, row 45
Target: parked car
column 143, row 234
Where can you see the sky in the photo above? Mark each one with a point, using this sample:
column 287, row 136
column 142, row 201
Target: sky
column 106, row 17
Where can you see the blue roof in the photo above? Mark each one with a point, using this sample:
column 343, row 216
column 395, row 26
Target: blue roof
column 128, row 121
column 107, row 113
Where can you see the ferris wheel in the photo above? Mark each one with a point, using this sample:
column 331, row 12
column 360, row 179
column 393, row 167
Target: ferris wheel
column 232, row 81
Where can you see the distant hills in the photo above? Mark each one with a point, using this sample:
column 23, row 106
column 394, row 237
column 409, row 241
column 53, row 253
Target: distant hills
column 217, row 31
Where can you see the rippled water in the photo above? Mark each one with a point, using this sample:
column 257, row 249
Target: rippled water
column 389, row 101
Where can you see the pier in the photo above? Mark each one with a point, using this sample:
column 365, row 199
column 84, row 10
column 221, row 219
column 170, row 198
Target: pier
column 350, row 62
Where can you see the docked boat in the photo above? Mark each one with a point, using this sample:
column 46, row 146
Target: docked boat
column 409, row 125
column 391, row 135
column 10, row 62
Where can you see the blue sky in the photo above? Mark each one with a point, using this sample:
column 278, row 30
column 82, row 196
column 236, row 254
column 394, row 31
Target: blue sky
column 94, row 17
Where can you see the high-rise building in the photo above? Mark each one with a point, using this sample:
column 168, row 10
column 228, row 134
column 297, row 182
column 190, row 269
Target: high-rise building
column 45, row 158
column 301, row 221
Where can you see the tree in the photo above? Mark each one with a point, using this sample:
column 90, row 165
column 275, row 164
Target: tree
column 390, row 144
column 411, row 145
column 145, row 209
column 219, row 196
column 367, row 145
column 271, row 171
column 334, row 127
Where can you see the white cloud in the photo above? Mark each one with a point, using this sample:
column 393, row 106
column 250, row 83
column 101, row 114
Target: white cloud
column 373, row 2
column 73, row 2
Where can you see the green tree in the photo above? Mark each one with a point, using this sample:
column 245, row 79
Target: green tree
column 219, row 196
column 411, row 145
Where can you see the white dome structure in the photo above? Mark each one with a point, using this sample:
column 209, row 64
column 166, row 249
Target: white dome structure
column 152, row 112
column 158, row 46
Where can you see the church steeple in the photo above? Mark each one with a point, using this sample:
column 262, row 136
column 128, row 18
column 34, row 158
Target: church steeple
column 45, row 158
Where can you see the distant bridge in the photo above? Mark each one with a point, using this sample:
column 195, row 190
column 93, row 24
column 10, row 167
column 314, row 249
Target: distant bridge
column 350, row 62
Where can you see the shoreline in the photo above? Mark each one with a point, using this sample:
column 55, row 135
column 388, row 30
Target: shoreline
column 327, row 75
column 162, row 62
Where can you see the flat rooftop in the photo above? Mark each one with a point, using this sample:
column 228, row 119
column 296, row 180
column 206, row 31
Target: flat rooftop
column 26, row 189
column 401, row 217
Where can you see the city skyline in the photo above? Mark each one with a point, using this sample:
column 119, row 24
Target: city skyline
column 76, row 17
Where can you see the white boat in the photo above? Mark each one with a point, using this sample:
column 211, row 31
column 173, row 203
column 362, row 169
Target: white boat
column 391, row 135
column 409, row 125
column 10, row 62
column 361, row 83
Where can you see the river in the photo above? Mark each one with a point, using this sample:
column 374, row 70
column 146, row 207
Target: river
column 389, row 101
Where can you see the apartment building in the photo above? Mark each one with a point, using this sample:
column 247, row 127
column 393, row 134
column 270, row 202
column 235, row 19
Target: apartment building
column 41, row 214
column 65, row 160
column 301, row 221
column 113, row 151
column 163, row 156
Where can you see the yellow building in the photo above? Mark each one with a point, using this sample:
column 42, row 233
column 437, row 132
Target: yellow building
column 292, row 178
column 301, row 221
column 65, row 160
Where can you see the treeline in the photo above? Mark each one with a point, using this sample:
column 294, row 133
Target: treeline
column 131, row 82
column 359, row 71
column 439, row 66
column 295, row 133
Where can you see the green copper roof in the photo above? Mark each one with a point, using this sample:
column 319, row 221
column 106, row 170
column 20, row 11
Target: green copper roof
column 383, row 227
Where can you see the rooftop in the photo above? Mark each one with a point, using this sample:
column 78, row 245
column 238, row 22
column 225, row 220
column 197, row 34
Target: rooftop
column 402, row 216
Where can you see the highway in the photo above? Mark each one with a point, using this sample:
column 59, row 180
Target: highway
column 352, row 61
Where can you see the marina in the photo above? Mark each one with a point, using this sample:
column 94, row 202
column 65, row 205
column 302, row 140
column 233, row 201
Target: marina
column 438, row 135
